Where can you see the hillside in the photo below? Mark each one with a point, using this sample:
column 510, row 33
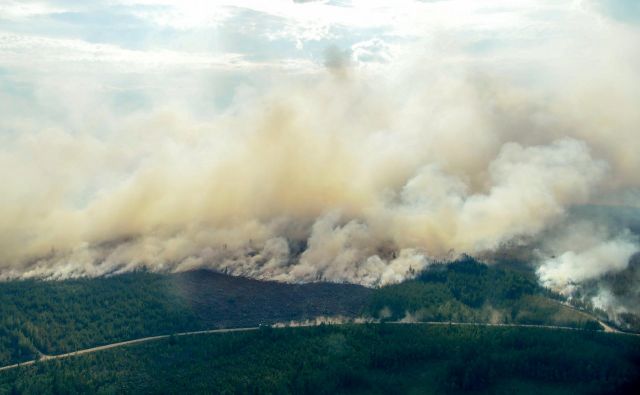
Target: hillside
column 470, row 291
column 53, row 317
column 61, row 316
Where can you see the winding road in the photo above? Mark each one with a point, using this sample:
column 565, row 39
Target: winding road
column 45, row 357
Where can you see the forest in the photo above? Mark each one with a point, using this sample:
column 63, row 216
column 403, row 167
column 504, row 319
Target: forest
column 372, row 358
column 470, row 291
column 52, row 317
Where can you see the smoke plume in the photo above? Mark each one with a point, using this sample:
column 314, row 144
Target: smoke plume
column 364, row 175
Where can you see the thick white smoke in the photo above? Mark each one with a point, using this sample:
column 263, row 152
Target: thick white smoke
column 288, row 197
column 585, row 252
column 348, row 174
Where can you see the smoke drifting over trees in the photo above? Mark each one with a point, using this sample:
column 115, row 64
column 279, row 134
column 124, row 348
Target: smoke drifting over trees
column 362, row 174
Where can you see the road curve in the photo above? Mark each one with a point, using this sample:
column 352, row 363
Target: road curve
column 277, row 326
column 607, row 328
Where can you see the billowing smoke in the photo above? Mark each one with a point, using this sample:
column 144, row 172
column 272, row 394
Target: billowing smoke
column 585, row 253
column 351, row 173
column 315, row 183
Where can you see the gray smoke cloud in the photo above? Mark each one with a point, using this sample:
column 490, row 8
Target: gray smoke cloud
column 366, row 175
column 585, row 252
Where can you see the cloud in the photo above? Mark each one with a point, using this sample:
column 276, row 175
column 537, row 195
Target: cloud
column 18, row 50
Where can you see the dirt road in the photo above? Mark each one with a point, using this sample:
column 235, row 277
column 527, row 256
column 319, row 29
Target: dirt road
column 44, row 357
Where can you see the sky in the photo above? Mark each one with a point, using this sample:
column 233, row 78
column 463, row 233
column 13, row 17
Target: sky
column 227, row 44
column 301, row 140
column 118, row 49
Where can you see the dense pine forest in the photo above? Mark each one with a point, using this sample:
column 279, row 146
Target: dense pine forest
column 52, row 317
column 372, row 358
column 469, row 291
